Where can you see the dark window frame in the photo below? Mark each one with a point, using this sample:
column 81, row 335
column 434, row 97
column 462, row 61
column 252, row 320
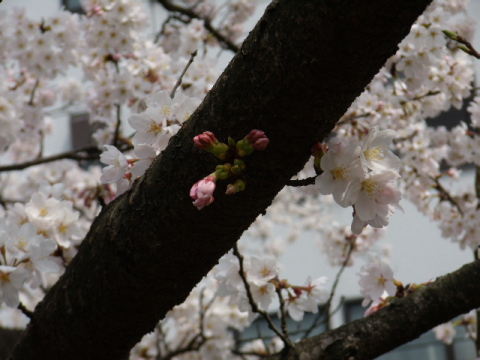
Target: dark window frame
column 73, row 6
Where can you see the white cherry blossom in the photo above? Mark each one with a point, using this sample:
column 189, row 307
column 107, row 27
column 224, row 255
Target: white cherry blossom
column 375, row 278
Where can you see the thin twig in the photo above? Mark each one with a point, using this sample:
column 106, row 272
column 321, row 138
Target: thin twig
column 168, row 5
column 160, row 339
column 162, row 28
column 337, row 280
column 326, row 309
column 467, row 46
column 40, row 151
column 92, row 153
column 476, row 257
column 347, row 119
column 25, row 311
column 301, row 182
column 287, row 342
column 179, row 81
column 32, row 94
column 199, row 339
column 420, row 97
column 445, row 194
column 202, row 313
column 283, row 313
column 117, row 127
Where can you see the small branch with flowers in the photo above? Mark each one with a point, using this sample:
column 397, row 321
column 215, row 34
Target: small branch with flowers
column 190, row 13
column 362, row 176
column 202, row 191
column 287, row 342
column 465, row 45
column 326, row 310
column 265, row 282
column 179, row 81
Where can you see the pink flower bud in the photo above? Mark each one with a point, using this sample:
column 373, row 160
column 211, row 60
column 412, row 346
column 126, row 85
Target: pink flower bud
column 257, row 139
column 96, row 10
column 205, row 141
column 235, row 188
column 297, row 291
column 319, row 149
column 202, row 192
column 261, row 144
column 231, row 189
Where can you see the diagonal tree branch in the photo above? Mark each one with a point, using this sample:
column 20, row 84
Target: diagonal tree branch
column 294, row 77
column 402, row 321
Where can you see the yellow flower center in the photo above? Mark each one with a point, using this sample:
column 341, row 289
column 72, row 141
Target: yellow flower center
column 341, row 173
column 377, row 153
column 371, row 188
column 154, row 127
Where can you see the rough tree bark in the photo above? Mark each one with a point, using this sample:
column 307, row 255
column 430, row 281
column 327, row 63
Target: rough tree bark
column 295, row 75
column 403, row 320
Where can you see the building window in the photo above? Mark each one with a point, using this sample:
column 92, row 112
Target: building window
column 73, row 6
column 426, row 347
column 81, row 136
column 453, row 116
column 81, row 131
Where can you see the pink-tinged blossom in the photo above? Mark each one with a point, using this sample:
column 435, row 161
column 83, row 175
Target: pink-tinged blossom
column 376, row 153
column 379, row 221
column 227, row 273
column 161, row 119
column 149, row 124
column 375, row 306
column 375, row 278
column 315, row 294
column 260, row 272
column 117, row 165
column 342, row 168
column 263, row 294
column 374, row 194
column 145, row 155
column 295, row 308
column 20, row 239
column 67, row 226
column 262, row 269
column 202, row 192
column 445, row 333
column 11, row 280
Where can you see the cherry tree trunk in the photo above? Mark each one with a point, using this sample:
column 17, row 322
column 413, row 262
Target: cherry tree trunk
column 294, row 76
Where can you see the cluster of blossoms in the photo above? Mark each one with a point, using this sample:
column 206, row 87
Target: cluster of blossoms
column 428, row 75
column 447, row 332
column 161, row 119
column 36, row 238
column 362, row 176
column 376, row 279
column 207, row 324
column 31, row 52
column 46, row 210
column 202, row 326
column 202, row 191
column 264, row 285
